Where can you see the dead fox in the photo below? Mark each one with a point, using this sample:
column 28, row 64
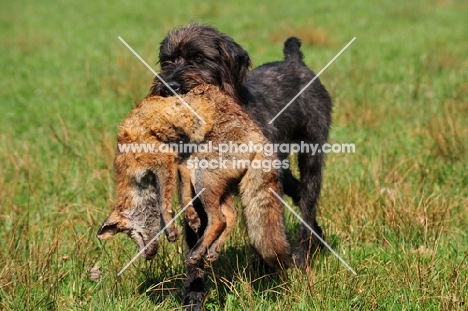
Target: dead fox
column 146, row 182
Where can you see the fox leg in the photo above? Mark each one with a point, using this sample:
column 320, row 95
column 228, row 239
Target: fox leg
column 230, row 214
column 167, row 190
column 216, row 223
column 191, row 215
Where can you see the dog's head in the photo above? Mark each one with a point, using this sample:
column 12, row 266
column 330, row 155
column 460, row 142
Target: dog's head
column 198, row 54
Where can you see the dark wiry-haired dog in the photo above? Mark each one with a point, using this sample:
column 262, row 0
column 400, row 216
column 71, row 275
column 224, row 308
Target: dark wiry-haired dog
column 198, row 54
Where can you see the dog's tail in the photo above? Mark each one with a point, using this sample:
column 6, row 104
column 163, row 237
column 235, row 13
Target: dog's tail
column 264, row 216
column 292, row 50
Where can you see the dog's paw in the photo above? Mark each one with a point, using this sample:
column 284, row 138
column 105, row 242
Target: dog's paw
column 193, row 301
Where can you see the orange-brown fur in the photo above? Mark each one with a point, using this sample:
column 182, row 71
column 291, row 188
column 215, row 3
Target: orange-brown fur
column 157, row 120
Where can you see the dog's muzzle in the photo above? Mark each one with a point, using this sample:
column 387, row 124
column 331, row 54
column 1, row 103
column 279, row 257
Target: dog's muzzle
column 175, row 86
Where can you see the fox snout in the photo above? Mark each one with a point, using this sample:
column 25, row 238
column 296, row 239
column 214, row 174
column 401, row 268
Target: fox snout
column 116, row 223
column 112, row 225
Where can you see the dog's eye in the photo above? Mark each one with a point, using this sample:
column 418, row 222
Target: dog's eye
column 198, row 58
column 166, row 63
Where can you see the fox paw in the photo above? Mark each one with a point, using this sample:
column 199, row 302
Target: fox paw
column 172, row 235
column 211, row 256
column 213, row 252
column 191, row 216
column 193, row 259
column 194, row 222
column 195, row 255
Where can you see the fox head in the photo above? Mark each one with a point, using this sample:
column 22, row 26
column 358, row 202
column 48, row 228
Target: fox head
column 137, row 210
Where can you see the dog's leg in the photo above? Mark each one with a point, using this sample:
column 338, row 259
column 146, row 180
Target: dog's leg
column 194, row 286
column 191, row 215
column 230, row 212
column 291, row 185
column 311, row 180
column 195, row 274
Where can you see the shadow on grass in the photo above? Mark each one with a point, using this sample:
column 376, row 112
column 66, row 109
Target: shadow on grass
column 159, row 288
column 239, row 270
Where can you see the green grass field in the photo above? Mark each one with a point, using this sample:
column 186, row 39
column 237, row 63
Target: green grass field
column 396, row 210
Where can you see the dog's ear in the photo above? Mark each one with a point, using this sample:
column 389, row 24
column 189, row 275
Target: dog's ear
column 236, row 63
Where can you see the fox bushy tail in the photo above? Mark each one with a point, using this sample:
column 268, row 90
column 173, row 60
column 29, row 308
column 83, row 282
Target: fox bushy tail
column 264, row 217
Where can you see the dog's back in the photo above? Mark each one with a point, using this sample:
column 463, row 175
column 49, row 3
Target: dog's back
column 271, row 86
column 267, row 90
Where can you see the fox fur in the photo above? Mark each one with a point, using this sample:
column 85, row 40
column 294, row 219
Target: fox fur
column 146, row 182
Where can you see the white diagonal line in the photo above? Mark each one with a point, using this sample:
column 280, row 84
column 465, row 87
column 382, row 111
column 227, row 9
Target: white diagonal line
column 311, row 81
column 160, row 232
column 314, row 233
column 162, row 80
